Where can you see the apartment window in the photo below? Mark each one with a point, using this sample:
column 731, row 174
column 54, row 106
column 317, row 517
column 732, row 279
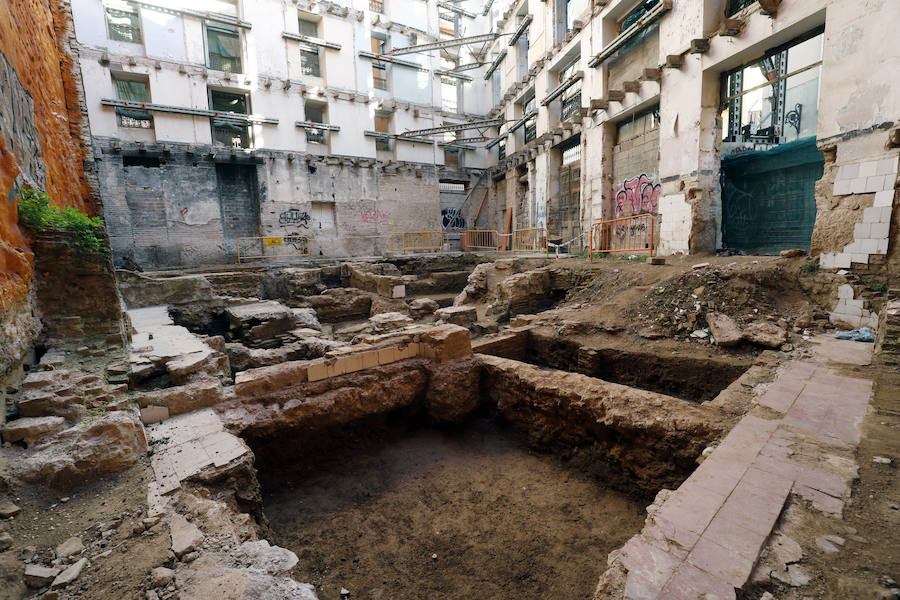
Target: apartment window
column 376, row 6
column 775, row 99
column 124, row 24
column 309, row 28
column 501, row 150
column 316, row 114
column 382, row 124
column 531, row 122
column 224, row 47
column 230, row 132
column 133, row 91
column 571, row 97
column 379, row 69
column 571, row 155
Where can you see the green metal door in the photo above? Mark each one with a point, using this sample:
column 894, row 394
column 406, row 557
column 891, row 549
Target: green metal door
column 768, row 197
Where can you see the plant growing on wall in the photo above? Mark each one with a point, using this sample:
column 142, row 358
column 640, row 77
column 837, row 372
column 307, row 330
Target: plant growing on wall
column 36, row 213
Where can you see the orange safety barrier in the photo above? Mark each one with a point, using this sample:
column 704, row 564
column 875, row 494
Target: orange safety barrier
column 532, row 239
column 417, row 241
column 486, row 239
column 626, row 234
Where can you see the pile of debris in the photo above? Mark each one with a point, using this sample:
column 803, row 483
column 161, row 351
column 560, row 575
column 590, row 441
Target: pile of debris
column 748, row 302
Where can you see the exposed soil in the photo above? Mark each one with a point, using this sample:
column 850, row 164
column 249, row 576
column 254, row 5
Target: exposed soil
column 502, row 521
column 115, row 504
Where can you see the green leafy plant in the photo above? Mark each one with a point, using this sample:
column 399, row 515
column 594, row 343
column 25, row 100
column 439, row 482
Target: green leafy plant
column 877, row 287
column 810, row 267
column 37, row 214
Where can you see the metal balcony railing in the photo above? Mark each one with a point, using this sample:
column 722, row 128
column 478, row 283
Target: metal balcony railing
column 315, row 136
column 570, row 105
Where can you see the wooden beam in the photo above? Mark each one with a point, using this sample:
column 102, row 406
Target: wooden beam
column 480, row 206
column 674, row 61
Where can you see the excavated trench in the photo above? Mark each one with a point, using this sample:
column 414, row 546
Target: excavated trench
column 523, row 497
column 696, row 377
column 398, row 511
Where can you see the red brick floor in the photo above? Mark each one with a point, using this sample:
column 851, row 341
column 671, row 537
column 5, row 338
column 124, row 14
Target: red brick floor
column 707, row 535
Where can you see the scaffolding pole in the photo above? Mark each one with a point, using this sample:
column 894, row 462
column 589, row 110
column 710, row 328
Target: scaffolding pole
column 475, row 39
column 455, row 127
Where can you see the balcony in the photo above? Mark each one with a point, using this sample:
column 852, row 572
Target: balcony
column 232, row 135
column 315, row 136
column 570, row 105
column 383, row 144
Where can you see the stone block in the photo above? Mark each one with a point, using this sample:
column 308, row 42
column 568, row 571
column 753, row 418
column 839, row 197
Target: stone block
column 265, row 380
column 884, row 198
column 458, row 315
column 841, row 261
column 154, row 414
column 447, row 342
column 877, row 214
column 875, row 183
column 841, row 187
column 859, row 257
column 398, row 291
column 369, row 359
column 860, row 231
column 882, row 245
column 845, row 291
column 858, row 185
column 869, row 246
column 31, row 429
column 316, row 370
column 886, row 166
column 387, row 356
column 185, row 398
column 879, row 230
column 847, row 172
column 867, row 168
column 185, row 535
column 826, row 260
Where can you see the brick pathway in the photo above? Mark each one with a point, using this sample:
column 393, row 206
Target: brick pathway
column 707, row 535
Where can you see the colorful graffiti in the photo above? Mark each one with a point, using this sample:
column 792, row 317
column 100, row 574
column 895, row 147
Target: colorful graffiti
column 640, row 194
column 17, row 126
column 294, row 217
column 374, row 216
column 452, row 219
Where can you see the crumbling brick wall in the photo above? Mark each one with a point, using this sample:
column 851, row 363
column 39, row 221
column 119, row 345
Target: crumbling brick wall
column 41, row 145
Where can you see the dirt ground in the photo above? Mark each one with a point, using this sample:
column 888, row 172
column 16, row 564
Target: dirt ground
column 503, row 522
column 114, row 505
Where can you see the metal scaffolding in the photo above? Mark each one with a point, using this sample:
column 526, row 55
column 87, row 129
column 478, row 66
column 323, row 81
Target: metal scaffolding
column 475, row 39
column 454, row 127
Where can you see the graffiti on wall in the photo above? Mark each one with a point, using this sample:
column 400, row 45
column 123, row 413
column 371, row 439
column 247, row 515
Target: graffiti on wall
column 452, row 219
column 17, row 125
column 294, row 217
column 374, row 216
column 637, row 196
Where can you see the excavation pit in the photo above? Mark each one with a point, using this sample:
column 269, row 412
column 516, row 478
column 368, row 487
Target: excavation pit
column 406, row 514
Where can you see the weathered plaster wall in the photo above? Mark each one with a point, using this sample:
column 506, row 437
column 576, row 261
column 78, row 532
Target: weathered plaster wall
column 40, row 146
column 173, row 207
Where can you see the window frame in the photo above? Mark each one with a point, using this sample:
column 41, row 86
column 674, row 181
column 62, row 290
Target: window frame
column 131, row 10
column 131, row 118
column 248, row 130
column 224, row 29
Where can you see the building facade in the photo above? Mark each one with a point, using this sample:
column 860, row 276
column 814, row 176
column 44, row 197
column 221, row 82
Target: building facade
column 752, row 126
column 225, row 119
column 741, row 125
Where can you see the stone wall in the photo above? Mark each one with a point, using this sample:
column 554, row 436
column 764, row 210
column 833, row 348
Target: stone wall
column 164, row 203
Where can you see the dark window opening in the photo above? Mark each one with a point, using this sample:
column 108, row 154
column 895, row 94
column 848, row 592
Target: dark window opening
column 735, row 6
column 149, row 162
column 501, row 150
column 230, row 132
column 531, row 122
column 224, row 45
column 316, row 114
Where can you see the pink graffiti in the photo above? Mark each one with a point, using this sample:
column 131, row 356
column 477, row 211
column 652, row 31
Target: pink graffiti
column 641, row 193
column 373, row 215
column 184, row 211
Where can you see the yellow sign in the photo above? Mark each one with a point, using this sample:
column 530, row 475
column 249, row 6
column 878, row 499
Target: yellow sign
column 273, row 241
